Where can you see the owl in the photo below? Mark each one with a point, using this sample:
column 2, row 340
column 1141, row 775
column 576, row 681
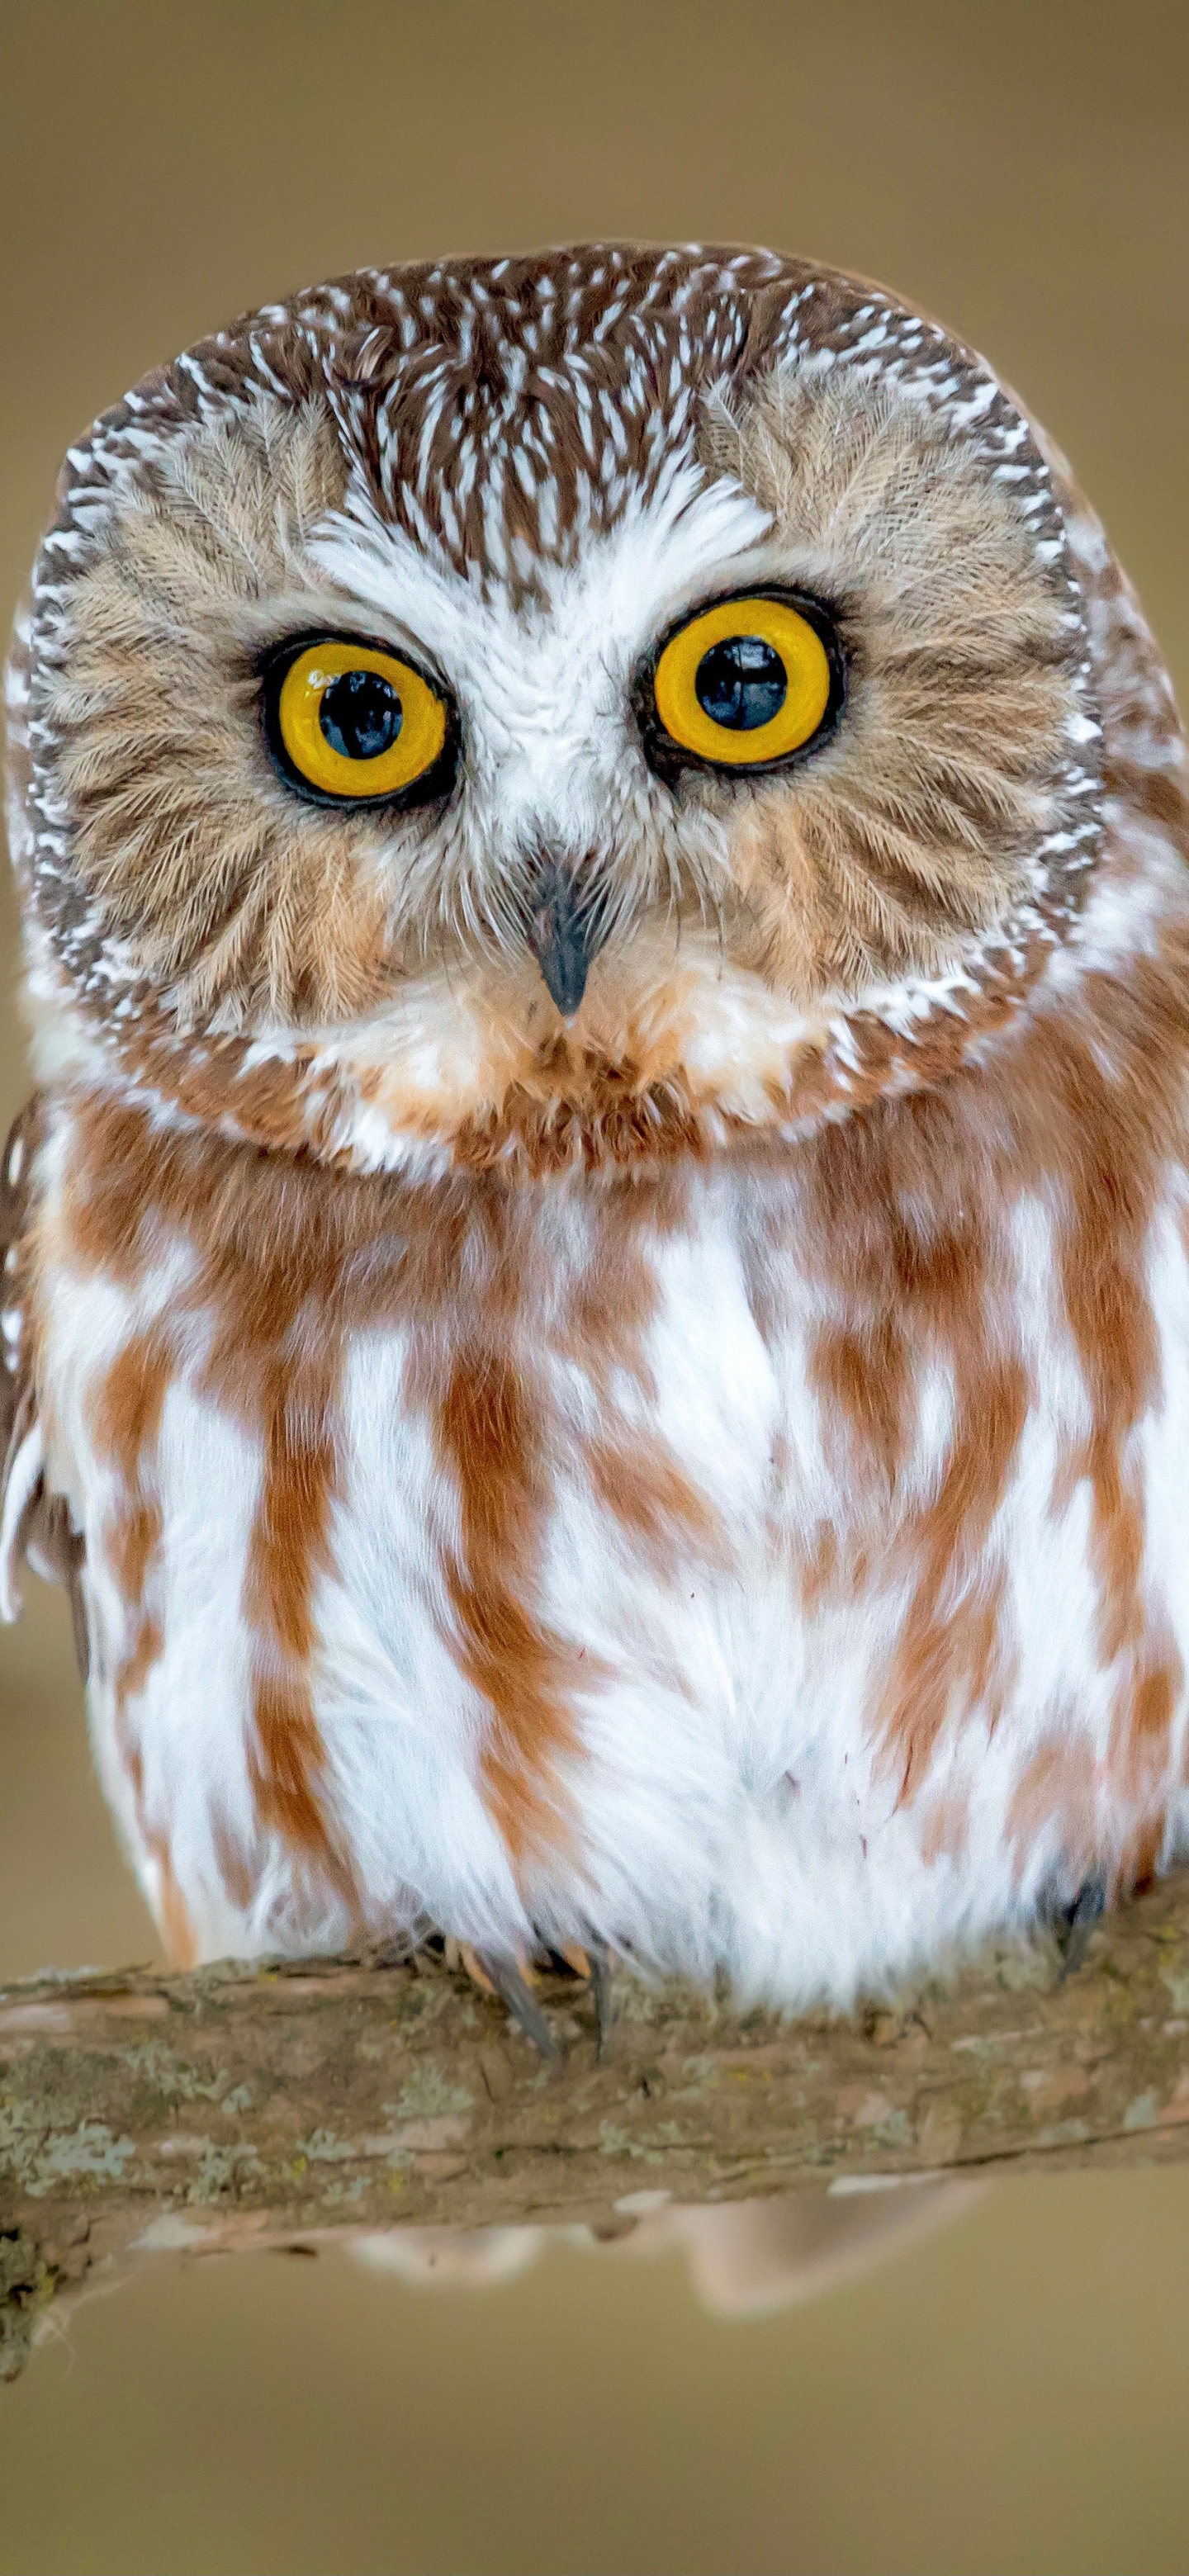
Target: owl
column 597, row 1292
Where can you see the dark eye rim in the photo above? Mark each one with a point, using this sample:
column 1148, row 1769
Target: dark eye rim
column 668, row 758
column 272, row 669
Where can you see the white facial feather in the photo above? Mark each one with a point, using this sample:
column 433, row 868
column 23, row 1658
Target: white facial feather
column 553, row 760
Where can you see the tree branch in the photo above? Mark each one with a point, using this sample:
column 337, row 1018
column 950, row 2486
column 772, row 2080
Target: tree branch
column 250, row 2104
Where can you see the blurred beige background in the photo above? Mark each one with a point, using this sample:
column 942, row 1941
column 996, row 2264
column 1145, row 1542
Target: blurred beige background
column 1010, row 2396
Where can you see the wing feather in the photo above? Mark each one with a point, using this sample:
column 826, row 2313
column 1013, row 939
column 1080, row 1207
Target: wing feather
column 35, row 1524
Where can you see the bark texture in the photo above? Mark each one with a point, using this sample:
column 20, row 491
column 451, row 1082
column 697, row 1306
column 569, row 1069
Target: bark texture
column 247, row 2105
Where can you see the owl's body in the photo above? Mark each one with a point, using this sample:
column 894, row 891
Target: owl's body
column 688, row 1449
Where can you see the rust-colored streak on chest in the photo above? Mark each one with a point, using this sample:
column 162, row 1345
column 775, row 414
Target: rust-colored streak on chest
column 901, row 1203
column 1111, row 1183
column 860, row 1373
column 126, row 1413
column 494, row 1411
column 951, row 1648
column 289, row 1548
column 915, row 1205
column 257, row 1327
column 632, row 1469
column 290, row 1261
column 1114, row 1095
column 490, row 1442
column 663, row 1515
column 1057, row 1790
column 1139, row 1756
column 126, row 1423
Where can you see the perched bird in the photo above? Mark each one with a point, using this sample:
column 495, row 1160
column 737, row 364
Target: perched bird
column 597, row 1306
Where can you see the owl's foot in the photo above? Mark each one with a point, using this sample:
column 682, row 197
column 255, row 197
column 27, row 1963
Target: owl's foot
column 513, row 1979
column 1075, row 1923
column 594, row 1964
column 510, row 1980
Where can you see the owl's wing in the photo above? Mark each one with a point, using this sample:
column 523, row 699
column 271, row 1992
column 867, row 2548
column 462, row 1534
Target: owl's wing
column 35, row 1525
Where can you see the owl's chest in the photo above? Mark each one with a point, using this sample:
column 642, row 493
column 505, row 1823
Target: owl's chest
column 463, row 1550
column 500, row 1441
column 492, row 1403
column 507, row 1454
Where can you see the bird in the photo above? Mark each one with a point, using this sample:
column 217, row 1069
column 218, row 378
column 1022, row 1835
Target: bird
column 596, row 1310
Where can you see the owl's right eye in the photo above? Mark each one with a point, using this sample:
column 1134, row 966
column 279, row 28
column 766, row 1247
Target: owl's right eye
column 351, row 724
column 750, row 683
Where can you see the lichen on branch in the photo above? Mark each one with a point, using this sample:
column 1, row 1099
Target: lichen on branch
column 247, row 2104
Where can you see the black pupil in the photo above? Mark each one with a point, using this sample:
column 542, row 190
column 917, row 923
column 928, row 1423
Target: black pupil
column 360, row 715
column 741, row 682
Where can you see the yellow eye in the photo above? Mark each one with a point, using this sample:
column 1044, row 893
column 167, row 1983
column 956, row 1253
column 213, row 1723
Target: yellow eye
column 743, row 683
column 356, row 722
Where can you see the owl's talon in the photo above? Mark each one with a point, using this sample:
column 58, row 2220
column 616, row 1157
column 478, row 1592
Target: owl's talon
column 509, row 1979
column 523, row 2006
column 599, row 1975
column 593, row 1965
column 1076, row 1922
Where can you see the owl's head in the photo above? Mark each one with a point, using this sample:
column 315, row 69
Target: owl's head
column 572, row 707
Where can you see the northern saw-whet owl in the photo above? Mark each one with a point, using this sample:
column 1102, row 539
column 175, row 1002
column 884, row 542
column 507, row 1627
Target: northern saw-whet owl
column 597, row 1309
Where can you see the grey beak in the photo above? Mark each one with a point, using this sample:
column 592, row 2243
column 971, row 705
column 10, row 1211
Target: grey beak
column 562, row 934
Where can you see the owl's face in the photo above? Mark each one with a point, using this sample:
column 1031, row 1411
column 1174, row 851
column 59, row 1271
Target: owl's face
column 547, row 700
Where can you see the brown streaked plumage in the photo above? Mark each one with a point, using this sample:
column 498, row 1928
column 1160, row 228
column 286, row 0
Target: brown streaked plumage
column 688, row 1454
